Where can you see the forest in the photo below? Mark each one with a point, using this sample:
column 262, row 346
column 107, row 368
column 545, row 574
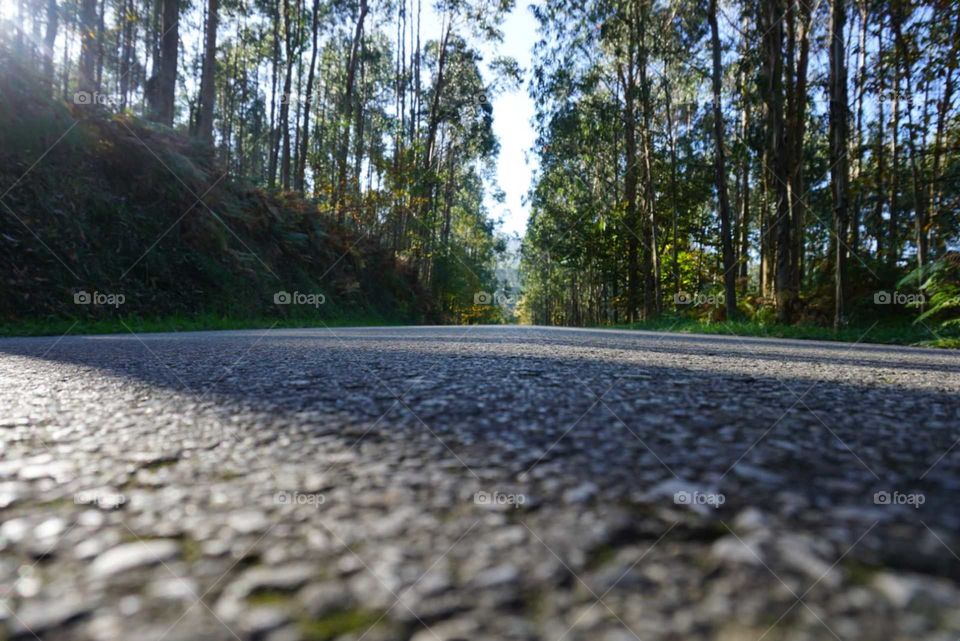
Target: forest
column 782, row 161
column 771, row 161
column 343, row 108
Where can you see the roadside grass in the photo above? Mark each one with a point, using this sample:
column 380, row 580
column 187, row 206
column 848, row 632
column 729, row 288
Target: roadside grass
column 886, row 333
column 138, row 325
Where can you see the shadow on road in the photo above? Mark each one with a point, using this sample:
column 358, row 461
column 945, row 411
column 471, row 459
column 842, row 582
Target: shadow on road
column 627, row 412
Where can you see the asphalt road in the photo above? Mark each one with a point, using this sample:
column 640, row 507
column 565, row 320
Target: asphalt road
column 442, row 483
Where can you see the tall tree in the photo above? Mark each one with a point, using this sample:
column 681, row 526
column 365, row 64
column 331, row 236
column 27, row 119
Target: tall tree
column 299, row 179
column 87, row 81
column 771, row 29
column 346, row 109
column 207, row 85
column 632, row 166
column 723, row 200
column 50, row 39
column 162, row 86
column 839, row 162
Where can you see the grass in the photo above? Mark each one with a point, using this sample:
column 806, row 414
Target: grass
column 887, row 333
column 63, row 326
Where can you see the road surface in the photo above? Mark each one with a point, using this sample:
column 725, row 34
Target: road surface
column 482, row 483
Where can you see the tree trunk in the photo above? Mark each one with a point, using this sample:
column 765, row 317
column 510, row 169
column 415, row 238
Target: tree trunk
column 50, row 39
column 798, row 55
column 358, row 125
column 101, row 49
column 344, row 113
column 943, row 108
column 299, row 182
column 858, row 145
column 839, row 173
column 906, row 65
column 164, row 82
column 284, row 120
column 893, row 249
column 650, row 263
column 127, row 51
column 88, row 51
column 207, row 77
column 627, row 79
column 744, row 228
column 274, row 82
column 771, row 26
column 879, row 181
column 726, row 240
column 675, row 210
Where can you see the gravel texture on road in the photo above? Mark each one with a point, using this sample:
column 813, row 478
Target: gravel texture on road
column 481, row 483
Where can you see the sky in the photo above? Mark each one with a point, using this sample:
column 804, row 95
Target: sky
column 512, row 113
column 512, row 116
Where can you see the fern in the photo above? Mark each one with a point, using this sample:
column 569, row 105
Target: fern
column 940, row 283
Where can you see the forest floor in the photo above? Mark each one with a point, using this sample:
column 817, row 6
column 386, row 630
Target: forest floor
column 483, row 483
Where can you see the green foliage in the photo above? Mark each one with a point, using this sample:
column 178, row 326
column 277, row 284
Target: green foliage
column 881, row 333
column 123, row 207
column 940, row 284
column 624, row 113
column 343, row 162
